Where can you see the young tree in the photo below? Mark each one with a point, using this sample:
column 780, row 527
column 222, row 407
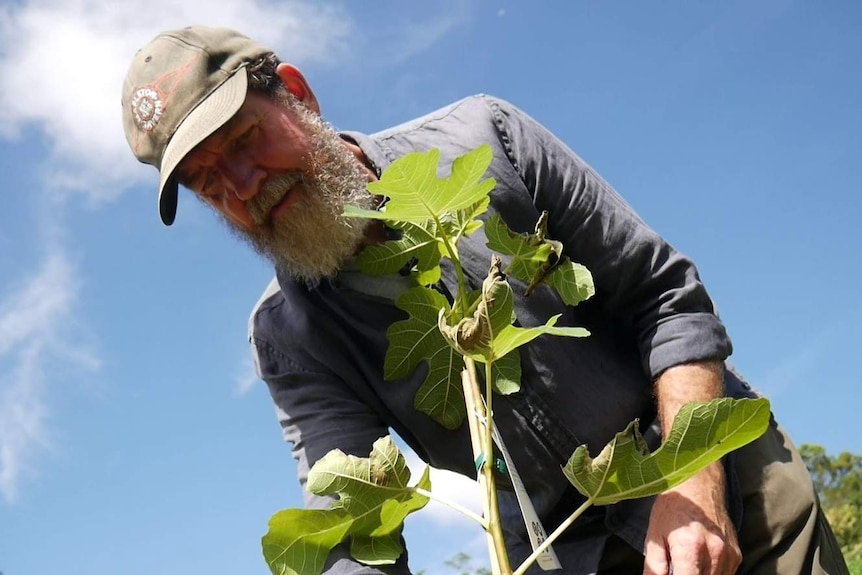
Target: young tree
column 469, row 344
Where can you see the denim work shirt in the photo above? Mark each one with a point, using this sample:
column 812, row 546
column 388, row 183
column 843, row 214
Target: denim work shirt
column 320, row 348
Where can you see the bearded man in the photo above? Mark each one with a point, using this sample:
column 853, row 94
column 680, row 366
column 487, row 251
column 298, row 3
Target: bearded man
column 218, row 113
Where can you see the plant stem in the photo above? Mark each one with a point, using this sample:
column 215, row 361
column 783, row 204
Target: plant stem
column 451, row 248
column 452, row 505
column 482, row 441
column 480, row 433
column 551, row 538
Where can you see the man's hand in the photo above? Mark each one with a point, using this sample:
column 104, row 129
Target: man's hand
column 689, row 530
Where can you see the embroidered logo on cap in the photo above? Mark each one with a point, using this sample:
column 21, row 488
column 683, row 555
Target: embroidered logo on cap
column 147, row 108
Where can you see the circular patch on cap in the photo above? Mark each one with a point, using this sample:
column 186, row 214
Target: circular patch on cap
column 147, row 108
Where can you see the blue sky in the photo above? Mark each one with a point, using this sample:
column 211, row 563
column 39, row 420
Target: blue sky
column 133, row 436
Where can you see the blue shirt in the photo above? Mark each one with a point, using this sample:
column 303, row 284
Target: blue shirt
column 320, row 348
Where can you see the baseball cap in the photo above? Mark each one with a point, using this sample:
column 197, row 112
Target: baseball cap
column 181, row 87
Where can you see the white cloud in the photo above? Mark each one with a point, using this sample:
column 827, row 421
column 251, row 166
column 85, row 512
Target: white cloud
column 452, row 531
column 62, row 64
column 34, row 323
column 409, row 39
column 400, row 39
column 446, row 485
column 247, row 378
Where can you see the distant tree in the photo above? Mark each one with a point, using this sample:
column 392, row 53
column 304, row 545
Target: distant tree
column 838, row 480
column 462, row 564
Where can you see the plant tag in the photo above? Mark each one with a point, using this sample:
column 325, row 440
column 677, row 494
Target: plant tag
column 535, row 530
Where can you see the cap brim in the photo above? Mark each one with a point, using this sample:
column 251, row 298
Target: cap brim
column 210, row 115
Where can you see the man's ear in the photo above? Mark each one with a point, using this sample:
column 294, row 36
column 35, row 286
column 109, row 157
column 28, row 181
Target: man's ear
column 295, row 82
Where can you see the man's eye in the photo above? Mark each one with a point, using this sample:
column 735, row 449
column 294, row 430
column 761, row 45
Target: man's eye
column 245, row 139
column 207, row 184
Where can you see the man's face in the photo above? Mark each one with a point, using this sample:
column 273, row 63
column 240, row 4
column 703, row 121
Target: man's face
column 279, row 177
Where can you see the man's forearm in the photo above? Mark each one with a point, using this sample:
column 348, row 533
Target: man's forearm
column 690, row 531
column 692, row 382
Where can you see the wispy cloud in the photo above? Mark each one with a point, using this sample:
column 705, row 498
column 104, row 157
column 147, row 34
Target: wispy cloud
column 454, row 488
column 62, row 64
column 35, row 320
column 446, row 485
column 406, row 38
column 794, row 369
column 247, row 378
column 416, row 37
column 814, row 355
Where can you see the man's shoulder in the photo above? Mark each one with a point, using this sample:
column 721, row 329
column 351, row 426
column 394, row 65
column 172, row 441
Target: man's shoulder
column 284, row 313
column 474, row 115
column 269, row 304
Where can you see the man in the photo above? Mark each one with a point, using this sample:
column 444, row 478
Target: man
column 216, row 112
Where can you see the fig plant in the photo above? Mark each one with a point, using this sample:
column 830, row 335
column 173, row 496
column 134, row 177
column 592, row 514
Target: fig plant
column 373, row 495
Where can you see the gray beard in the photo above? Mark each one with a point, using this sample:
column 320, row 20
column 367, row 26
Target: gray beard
column 312, row 239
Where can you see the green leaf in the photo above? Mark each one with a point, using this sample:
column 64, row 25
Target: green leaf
column 416, row 339
column 489, row 336
column 374, row 499
column 416, row 242
column 383, row 550
column 383, row 546
column 535, row 259
column 506, row 372
column 416, row 194
column 474, row 335
column 467, row 221
column 423, row 243
column 351, row 211
column 299, row 540
column 374, row 492
column 418, row 202
column 466, row 178
column 526, row 254
column 572, row 281
column 512, row 337
column 702, row 433
column 395, row 510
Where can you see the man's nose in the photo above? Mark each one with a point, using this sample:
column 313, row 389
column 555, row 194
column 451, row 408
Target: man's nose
column 243, row 179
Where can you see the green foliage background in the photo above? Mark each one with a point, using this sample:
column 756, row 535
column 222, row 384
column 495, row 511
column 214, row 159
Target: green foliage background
column 838, row 480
